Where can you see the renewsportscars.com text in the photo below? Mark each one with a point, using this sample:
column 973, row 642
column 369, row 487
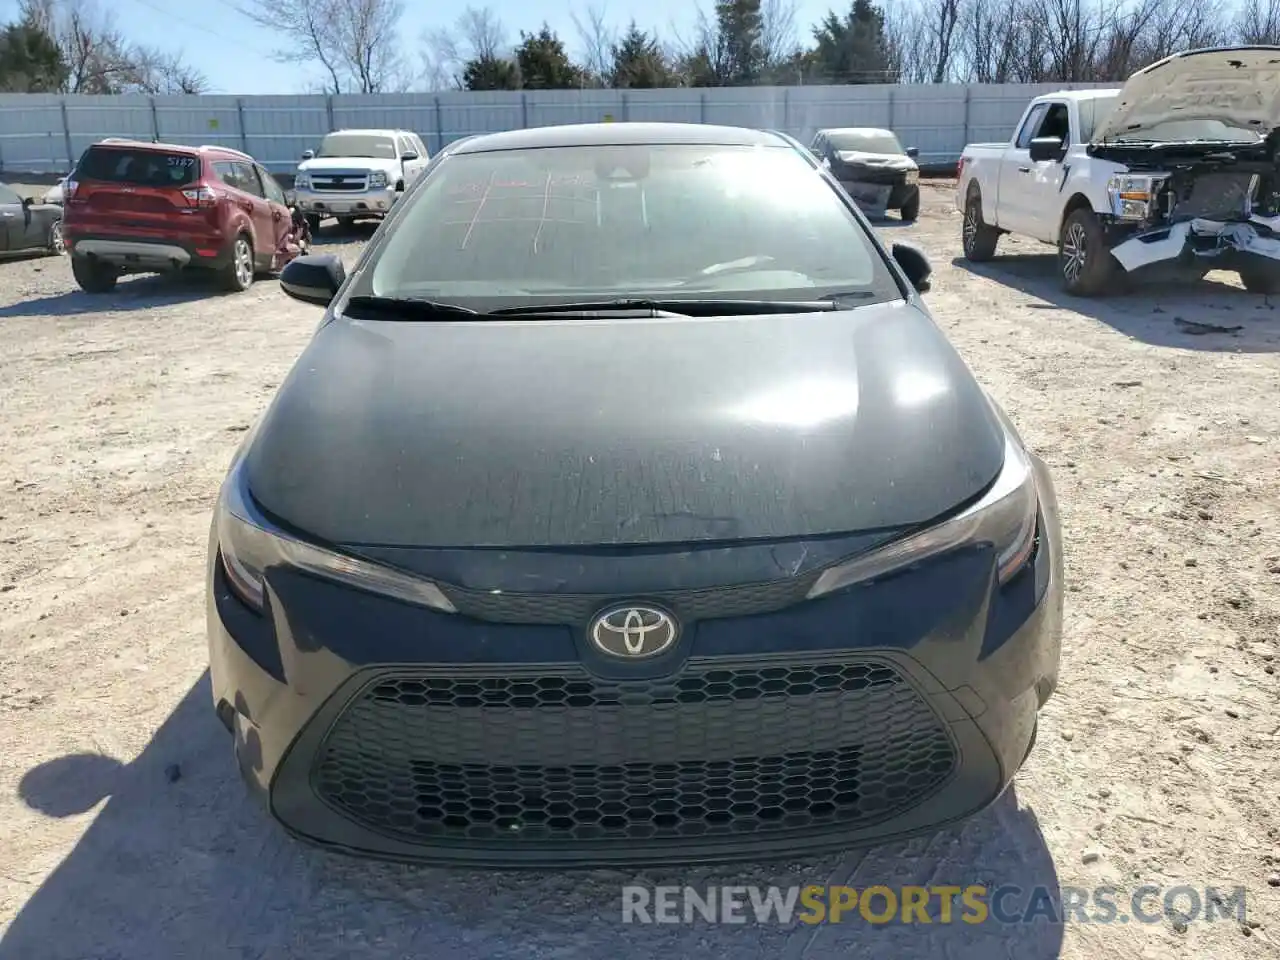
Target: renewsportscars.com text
column 972, row 904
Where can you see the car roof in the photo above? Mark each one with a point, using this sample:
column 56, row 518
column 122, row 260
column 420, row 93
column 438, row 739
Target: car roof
column 620, row 134
column 125, row 143
column 1079, row 95
column 383, row 132
column 859, row 131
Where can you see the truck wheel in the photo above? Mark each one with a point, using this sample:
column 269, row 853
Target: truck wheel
column 1087, row 266
column 237, row 275
column 93, row 276
column 1261, row 280
column 911, row 209
column 346, row 223
column 979, row 238
column 313, row 223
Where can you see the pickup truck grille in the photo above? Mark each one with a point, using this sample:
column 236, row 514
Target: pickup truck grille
column 340, row 182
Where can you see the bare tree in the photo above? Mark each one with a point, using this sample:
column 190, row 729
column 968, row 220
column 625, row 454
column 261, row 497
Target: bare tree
column 100, row 60
column 355, row 42
column 477, row 34
column 777, row 32
column 597, row 39
column 1259, row 22
column 908, row 42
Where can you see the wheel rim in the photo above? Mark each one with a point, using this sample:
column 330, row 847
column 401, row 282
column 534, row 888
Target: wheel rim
column 1074, row 252
column 243, row 263
column 56, row 243
column 970, row 225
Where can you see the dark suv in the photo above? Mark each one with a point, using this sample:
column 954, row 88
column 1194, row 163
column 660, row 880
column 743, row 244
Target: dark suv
column 133, row 207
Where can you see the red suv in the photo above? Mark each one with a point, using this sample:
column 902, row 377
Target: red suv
column 133, row 207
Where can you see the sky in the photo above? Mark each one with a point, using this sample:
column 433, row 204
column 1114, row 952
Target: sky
column 234, row 54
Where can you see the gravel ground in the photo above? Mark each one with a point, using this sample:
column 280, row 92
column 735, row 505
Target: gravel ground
column 126, row 834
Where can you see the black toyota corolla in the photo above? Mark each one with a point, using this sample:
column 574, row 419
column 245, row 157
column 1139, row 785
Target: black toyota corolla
column 628, row 506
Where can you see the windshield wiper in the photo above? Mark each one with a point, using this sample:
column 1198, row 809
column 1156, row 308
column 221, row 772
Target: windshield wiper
column 681, row 307
column 409, row 308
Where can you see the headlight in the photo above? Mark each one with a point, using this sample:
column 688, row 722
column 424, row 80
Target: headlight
column 378, row 178
column 249, row 548
column 1130, row 197
column 1005, row 518
column 302, row 181
column 913, row 176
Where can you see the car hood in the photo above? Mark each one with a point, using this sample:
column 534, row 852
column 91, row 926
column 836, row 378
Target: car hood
column 887, row 161
column 323, row 164
column 1236, row 85
column 576, row 433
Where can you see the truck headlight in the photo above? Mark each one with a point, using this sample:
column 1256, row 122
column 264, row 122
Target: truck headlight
column 1131, row 197
column 1005, row 517
column 302, row 181
column 913, row 176
column 378, row 178
column 248, row 546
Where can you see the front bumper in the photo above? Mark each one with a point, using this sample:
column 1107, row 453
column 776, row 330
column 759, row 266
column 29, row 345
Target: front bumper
column 879, row 189
column 375, row 202
column 377, row 728
column 1208, row 243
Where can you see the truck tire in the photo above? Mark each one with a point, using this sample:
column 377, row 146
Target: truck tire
column 978, row 237
column 1085, row 264
column 93, row 276
column 1261, row 280
column 346, row 223
column 911, row 208
column 313, row 223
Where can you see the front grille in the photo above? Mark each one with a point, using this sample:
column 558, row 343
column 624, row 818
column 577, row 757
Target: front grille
column 577, row 608
column 347, row 184
column 872, row 175
column 713, row 752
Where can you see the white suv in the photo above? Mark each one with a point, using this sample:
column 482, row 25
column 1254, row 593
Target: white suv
column 357, row 174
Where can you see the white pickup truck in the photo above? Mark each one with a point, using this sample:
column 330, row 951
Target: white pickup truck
column 357, row 174
column 1175, row 173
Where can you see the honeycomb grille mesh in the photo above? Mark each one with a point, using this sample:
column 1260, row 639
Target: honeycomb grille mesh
column 713, row 752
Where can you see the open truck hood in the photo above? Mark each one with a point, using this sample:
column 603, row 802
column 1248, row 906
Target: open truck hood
column 1239, row 86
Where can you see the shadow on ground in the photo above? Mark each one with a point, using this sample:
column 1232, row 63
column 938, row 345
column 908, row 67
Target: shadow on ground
column 141, row 292
column 1208, row 315
column 332, row 233
column 191, row 867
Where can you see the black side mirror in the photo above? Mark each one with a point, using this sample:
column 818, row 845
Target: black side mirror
column 913, row 152
column 1047, row 148
column 407, row 157
column 308, row 154
column 914, row 264
column 28, row 201
column 315, row 278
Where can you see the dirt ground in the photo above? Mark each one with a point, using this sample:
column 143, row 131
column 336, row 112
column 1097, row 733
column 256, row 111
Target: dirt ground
column 125, row 833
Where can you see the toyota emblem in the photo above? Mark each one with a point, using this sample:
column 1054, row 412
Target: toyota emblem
column 634, row 632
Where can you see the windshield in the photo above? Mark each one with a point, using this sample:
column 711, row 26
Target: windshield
column 882, row 142
column 358, row 145
column 681, row 220
column 140, row 167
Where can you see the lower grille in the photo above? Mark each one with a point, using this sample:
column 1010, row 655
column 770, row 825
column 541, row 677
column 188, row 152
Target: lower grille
column 713, row 752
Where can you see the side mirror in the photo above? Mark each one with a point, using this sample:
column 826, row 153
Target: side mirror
column 1047, row 148
column 913, row 152
column 914, row 264
column 308, row 154
column 408, row 157
column 28, row 201
column 315, row 278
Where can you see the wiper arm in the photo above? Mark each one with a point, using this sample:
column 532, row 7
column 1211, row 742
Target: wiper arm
column 692, row 307
column 409, row 308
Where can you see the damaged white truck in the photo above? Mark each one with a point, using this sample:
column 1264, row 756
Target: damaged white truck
column 1175, row 174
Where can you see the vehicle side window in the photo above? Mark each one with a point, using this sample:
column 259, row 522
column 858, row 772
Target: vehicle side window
column 402, row 146
column 1056, row 123
column 247, row 179
column 273, row 190
column 1030, row 126
column 8, row 195
column 816, row 146
column 419, row 146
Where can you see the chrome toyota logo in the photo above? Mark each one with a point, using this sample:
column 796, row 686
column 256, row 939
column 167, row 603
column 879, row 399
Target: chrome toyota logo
column 634, row 631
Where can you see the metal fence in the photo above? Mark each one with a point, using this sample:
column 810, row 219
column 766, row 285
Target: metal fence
column 45, row 133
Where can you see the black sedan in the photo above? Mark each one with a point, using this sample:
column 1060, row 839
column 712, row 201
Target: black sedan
column 28, row 225
column 874, row 167
column 629, row 506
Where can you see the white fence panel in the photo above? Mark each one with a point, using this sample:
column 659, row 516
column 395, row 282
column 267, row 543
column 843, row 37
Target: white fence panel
column 46, row 133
